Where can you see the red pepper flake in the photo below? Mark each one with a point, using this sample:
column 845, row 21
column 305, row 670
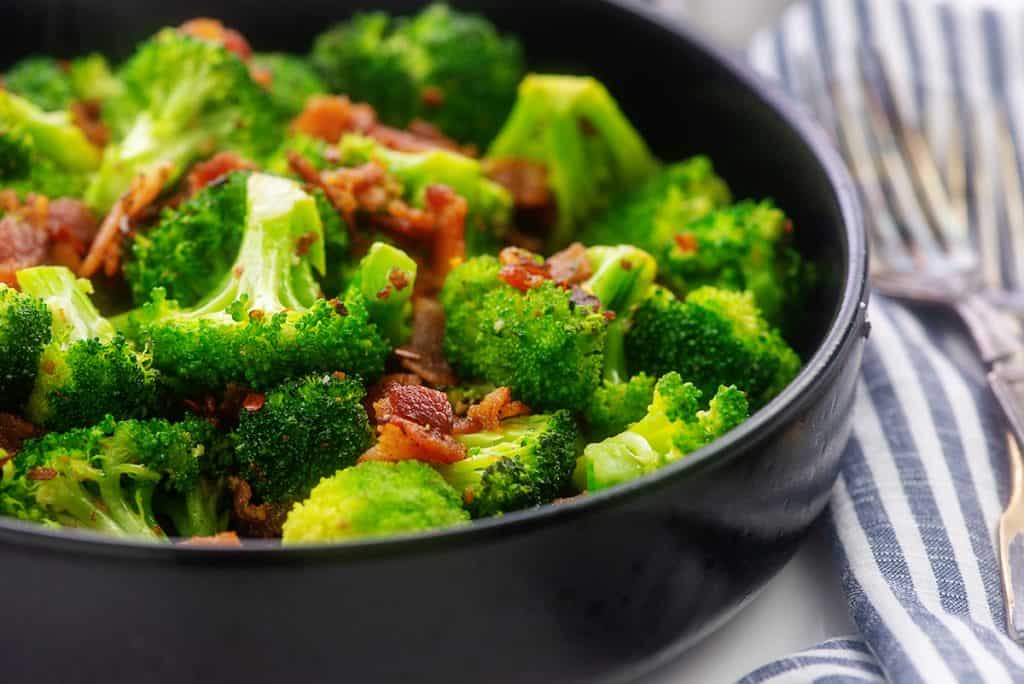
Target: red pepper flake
column 432, row 96
column 609, row 316
column 48, row 367
column 254, row 401
column 787, row 227
column 339, row 307
column 384, row 293
column 304, row 243
column 398, row 279
column 257, row 315
column 41, row 474
column 686, row 242
column 340, row 375
column 626, row 265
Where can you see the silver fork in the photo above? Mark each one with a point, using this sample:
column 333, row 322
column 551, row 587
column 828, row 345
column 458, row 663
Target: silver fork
column 923, row 251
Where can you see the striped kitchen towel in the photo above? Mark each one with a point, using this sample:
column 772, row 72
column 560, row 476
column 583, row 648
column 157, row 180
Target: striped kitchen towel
column 915, row 510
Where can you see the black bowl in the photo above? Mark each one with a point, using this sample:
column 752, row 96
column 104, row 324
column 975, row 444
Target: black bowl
column 601, row 587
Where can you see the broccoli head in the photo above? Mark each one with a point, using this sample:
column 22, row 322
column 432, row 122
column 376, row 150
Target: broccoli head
column 574, row 128
column 673, row 426
column 92, row 79
column 291, row 81
column 713, row 337
column 104, row 477
column 87, row 370
column 182, row 98
column 24, row 332
column 547, row 349
column 525, row 462
column 384, row 280
column 264, row 322
column 41, row 80
column 616, row 404
column 306, row 430
column 374, row 499
column 444, row 66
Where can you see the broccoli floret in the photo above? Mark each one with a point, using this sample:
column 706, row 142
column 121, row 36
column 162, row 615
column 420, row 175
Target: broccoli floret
column 574, row 127
column 490, row 205
column 87, row 370
column 92, row 79
column 447, row 67
column 617, row 404
column 264, row 323
column 314, row 150
column 539, row 343
column 183, row 97
column 527, row 462
column 24, row 331
column 652, row 214
column 104, row 477
column 714, row 337
column 306, row 430
column 192, row 248
column 41, row 80
column 292, row 80
column 673, row 427
column 385, row 280
column 200, row 511
column 374, row 499
column 42, row 152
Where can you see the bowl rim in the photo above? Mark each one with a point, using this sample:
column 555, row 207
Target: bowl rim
column 737, row 443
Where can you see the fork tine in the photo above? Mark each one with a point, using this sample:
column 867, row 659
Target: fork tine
column 984, row 196
column 833, row 109
column 893, row 167
column 1006, row 144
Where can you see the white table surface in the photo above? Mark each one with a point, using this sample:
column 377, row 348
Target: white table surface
column 802, row 606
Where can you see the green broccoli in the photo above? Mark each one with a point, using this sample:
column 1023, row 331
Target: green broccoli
column 616, row 404
column 92, row 79
column 384, row 280
column 574, row 127
column 104, row 477
column 292, row 81
column 652, row 214
column 526, row 462
column 24, row 332
column 182, row 98
column 43, row 81
column 543, row 346
column 264, row 323
column 306, row 430
column 673, row 427
column 316, row 151
column 87, row 370
column 447, row 67
column 713, row 337
column 374, row 499
column 42, row 152
column 490, row 205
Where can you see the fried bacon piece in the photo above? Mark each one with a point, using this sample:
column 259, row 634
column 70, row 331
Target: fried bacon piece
column 414, row 422
column 106, row 248
column 329, row 117
column 40, row 231
column 214, row 31
column 13, row 433
column 488, row 414
column 570, row 266
column 213, row 169
column 526, row 181
column 72, row 228
column 521, row 269
column 420, row 136
column 87, row 115
column 450, row 211
column 22, row 245
column 263, row 520
column 379, row 389
column 423, row 354
column 223, row 539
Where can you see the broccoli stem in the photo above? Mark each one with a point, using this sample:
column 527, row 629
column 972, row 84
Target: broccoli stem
column 385, row 277
column 74, row 315
column 53, row 133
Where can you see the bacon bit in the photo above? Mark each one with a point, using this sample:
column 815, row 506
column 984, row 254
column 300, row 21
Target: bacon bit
column 214, row 31
column 421, row 405
column 421, row 136
column 432, row 96
column 383, row 293
column 526, row 181
column 609, row 315
column 254, row 401
column 450, row 235
column 262, row 75
column 13, row 433
column 787, row 227
column 581, row 298
column 424, row 354
column 222, row 539
column 400, row 439
column 305, row 242
column 339, row 307
column 41, row 474
column 22, row 245
column 106, row 248
column 329, row 117
column 214, row 169
column 570, row 266
column 398, row 279
column 488, row 414
column 69, row 221
column 263, row 520
column 686, row 242
column 521, row 270
column 339, row 375
column 86, row 114
column 379, row 389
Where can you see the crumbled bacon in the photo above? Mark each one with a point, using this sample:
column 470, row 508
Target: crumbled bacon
column 329, row 117
column 421, row 405
column 255, row 520
column 215, row 168
column 686, row 242
column 41, row 474
column 521, row 270
column 214, row 31
column 86, row 114
column 432, row 96
column 450, row 211
column 570, row 266
column 379, row 389
column 581, row 298
column 423, row 355
column 22, row 244
column 254, row 401
column 488, row 414
column 13, row 433
column 526, row 181
column 420, row 136
column 414, row 422
column 222, row 539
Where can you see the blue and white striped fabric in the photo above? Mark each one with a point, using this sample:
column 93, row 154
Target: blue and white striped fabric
column 915, row 510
